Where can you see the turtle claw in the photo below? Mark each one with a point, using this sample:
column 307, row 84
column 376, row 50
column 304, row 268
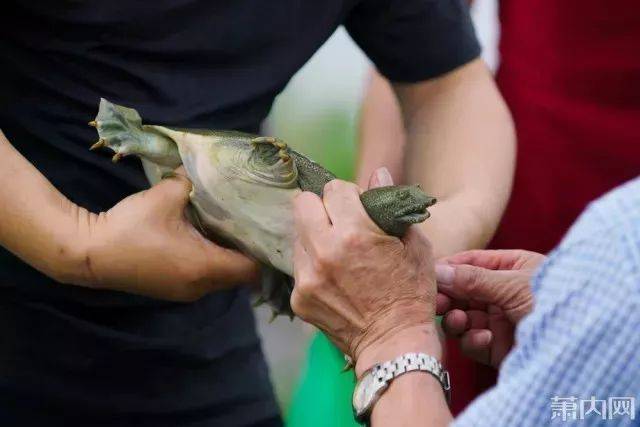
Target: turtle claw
column 93, row 123
column 268, row 140
column 259, row 301
column 348, row 363
column 168, row 175
column 274, row 315
column 101, row 143
column 284, row 156
column 283, row 149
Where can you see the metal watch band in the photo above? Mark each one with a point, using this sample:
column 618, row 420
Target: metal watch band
column 376, row 380
column 413, row 362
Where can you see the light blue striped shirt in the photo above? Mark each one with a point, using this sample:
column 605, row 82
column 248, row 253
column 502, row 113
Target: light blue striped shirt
column 577, row 355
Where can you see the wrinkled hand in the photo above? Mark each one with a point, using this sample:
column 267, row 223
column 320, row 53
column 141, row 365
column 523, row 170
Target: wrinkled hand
column 145, row 245
column 483, row 295
column 362, row 287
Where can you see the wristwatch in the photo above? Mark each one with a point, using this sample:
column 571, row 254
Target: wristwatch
column 376, row 380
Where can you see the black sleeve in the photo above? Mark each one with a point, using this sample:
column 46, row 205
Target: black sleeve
column 413, row 40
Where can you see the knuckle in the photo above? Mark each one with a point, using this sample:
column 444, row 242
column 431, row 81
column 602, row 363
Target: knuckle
column 475, row 279
column 351, row 186
column 297, row 303
column 324, row 260
column 302, row 200
column 332, row 185
column 351, row 239
column 309, row 286
column 470, row 280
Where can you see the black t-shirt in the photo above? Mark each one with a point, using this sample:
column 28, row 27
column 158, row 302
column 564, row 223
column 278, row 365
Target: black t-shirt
column 108, row 358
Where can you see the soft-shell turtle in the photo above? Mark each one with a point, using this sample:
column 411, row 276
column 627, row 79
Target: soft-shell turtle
column 243, row 187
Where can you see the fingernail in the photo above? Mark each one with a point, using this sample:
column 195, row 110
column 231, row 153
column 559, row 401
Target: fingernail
column 483, row 338
column 444, row 275
column 384, row 176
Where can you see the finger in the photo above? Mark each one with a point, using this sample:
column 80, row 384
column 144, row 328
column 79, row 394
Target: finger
column 503, row 337
column 501, row 259
column 381, row 177
column 302, row 264
column 477, row 319
column 456, row 304
column 443, row 304
column 455, row 323
column 476, row 343
column 229, row 267
column 311, row 220
column 342, row 202
column 171, row 193
column 473, row 283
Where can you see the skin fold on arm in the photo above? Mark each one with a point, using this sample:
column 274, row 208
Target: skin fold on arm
column 459, row 144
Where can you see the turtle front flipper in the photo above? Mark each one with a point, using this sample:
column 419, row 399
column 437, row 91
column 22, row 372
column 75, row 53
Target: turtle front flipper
column 121, row 130
column 270, row 162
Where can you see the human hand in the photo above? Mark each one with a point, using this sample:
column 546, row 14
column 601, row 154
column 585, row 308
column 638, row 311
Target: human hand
column 483, row 295
column 145, row 245
column 371, row 293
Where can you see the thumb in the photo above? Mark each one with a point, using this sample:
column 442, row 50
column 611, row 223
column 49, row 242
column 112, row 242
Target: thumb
column 467, row 282
column 171, row 194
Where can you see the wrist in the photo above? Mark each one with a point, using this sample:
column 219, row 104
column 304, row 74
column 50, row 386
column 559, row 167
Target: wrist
column 422, row 338
column 73, row 263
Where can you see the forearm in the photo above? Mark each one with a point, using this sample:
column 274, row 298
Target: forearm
column 37, row 223
column 461, row 148
column 381, row 138
column 412, row 399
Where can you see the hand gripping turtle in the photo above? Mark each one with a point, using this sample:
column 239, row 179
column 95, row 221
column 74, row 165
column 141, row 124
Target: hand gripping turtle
column 243, row 188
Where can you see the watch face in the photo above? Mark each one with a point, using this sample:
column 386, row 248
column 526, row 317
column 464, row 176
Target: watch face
column 367, row 389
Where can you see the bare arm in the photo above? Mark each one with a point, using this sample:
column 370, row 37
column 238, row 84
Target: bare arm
column 132, row 247
column 382, row 137
column 37, row 223
column 460, row 146
column 414, row 399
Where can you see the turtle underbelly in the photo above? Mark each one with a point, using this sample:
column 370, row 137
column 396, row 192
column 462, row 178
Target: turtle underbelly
column 254, row 216
column 256, row 219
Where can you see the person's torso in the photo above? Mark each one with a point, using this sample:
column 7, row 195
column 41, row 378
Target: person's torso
column 199, row 64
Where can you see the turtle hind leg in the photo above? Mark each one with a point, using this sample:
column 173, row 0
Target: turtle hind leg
column 121, row 130
column 276, row 288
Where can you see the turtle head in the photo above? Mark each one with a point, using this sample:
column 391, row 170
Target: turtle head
column 395, row 208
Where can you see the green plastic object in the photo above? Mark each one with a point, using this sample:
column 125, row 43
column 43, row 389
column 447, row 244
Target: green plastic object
column 323, row 397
